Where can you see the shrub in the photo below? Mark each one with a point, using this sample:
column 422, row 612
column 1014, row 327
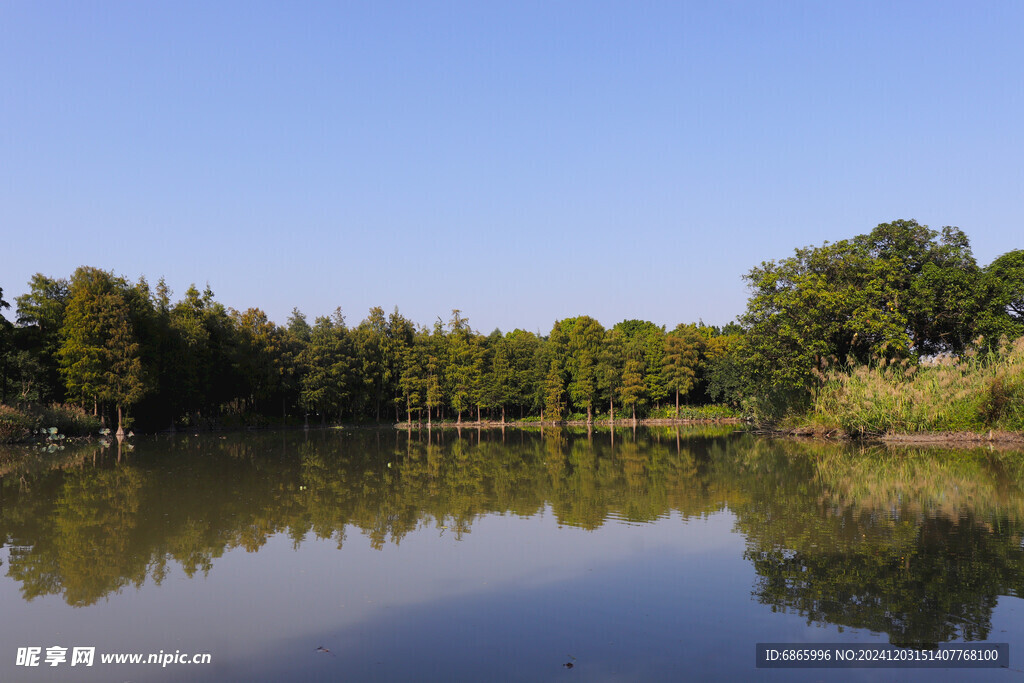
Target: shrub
column 69, row 420
column 14, row 425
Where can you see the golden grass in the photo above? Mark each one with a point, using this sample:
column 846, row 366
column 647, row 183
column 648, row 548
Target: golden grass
column 968, row 393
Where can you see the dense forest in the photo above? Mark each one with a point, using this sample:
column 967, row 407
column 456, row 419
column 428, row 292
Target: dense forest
column 901, row 293
column 109, row 345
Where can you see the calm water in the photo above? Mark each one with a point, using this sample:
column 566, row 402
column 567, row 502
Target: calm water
column 654, row 555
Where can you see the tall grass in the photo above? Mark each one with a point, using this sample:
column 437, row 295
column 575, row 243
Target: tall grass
column 974, row 392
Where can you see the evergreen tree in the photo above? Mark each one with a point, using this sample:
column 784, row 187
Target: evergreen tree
column 99, row 352
column 682, row 354
column 41, row 317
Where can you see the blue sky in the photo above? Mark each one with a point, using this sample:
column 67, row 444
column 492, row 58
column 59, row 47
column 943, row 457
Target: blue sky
column 522, row 161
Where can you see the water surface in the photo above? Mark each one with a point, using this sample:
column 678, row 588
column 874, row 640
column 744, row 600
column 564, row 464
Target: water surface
column 490, row 555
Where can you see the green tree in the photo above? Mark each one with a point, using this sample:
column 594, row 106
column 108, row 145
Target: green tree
column 578, row 341
column 436, row 353
column 827, row 303
column 633, row 391
column 6, row 349
column 258, row 357
column 1002, row 313
column 523, row 348
column 99, row 352
column 554, row 405
column 326, row 363
column 500, row 380
column 41, row 317
column 609, row 369
column 682, row 354
column 463, row 369
column 413, row 378
column 397, row 349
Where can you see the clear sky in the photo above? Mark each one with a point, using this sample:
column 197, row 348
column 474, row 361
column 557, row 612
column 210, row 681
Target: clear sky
column 521, row 161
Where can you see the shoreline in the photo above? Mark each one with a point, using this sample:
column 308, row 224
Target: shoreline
column 952, row 439
column 520, row 424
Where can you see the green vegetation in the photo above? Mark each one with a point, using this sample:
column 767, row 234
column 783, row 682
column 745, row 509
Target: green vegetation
column 895, row 330
column 69, row 420
column 974, row 392
column 117, row 348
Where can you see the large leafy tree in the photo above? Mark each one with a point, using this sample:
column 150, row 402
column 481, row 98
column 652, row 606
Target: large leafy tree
column 935, row 279
column 901, row 291
column 1002, row 314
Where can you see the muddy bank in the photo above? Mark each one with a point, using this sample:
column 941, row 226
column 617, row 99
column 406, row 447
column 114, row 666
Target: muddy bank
column 951, row 439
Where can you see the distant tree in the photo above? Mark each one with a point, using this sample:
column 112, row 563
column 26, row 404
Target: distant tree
column 609, row 369
column 41, row 317
column 1002, row 314
column 463, row 369
column 436, row 368
column 6, row 349
column 722, row 368
column 647, row 339
column 99, row 352
column 633, row 391
column 258, row 357
column 397, row 347
column 523, row 349
column 326, row 364
column 373, row 364
column 500, row 379
column 413, row 378
column 578, row 341
column 554, row 405
column 682, row 355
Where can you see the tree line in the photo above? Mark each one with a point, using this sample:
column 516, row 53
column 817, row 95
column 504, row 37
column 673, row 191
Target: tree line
column 110, row 345
column 900, row 292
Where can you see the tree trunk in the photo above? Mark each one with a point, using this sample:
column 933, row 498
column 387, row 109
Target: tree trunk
column 503, row 415
column 677, row 404
column 590, row 415
column 120, row 428
column 611, row 411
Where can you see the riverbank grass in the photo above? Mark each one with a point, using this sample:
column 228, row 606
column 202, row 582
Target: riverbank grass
column 972, row 393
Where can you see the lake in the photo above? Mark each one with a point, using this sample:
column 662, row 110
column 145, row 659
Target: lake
column 633, row 555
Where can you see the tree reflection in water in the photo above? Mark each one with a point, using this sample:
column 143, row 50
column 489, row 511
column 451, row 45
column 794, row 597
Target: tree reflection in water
column 915, row 544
